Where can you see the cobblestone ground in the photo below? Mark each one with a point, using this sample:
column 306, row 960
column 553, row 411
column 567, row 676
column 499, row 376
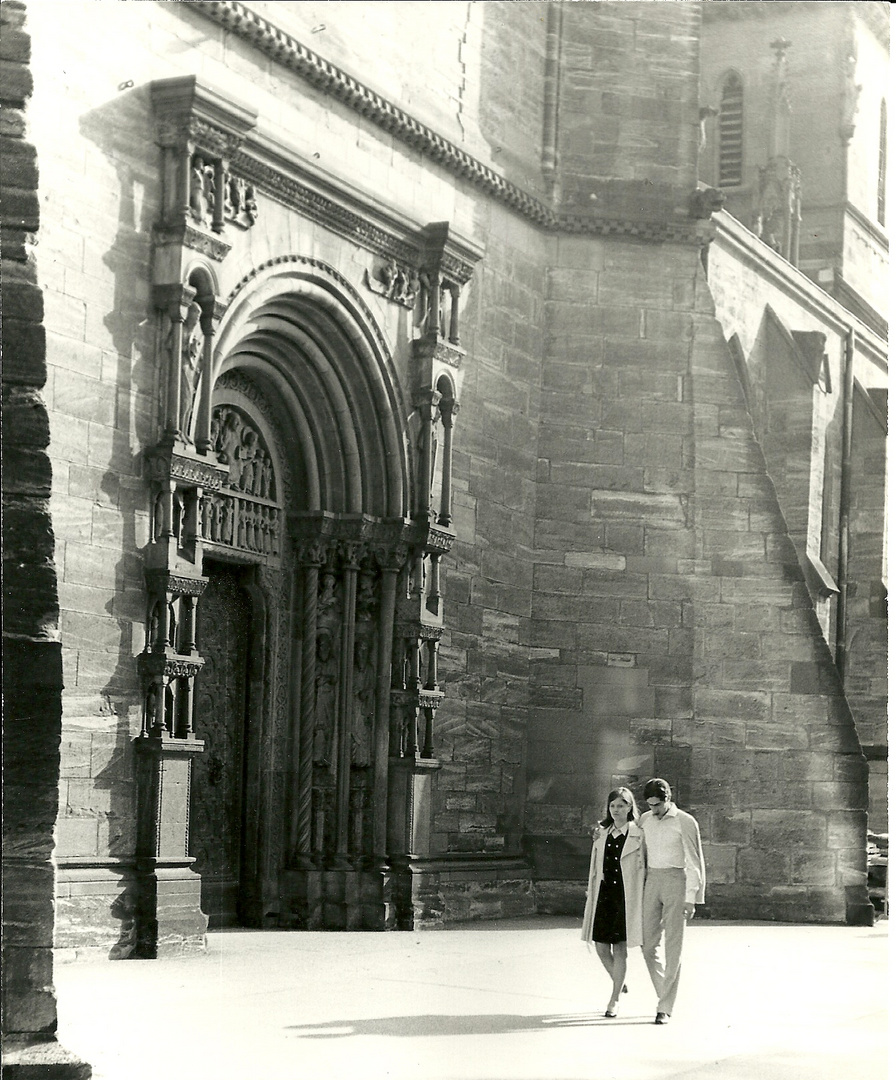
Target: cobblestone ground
column 492, row 1001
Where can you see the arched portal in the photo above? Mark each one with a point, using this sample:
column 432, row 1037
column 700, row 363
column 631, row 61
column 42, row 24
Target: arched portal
column 307, row 416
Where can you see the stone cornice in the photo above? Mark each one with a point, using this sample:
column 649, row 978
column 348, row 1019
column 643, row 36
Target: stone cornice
column 284, row 49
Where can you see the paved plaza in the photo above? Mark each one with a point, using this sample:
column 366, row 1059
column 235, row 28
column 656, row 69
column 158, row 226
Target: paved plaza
column 519, row 1000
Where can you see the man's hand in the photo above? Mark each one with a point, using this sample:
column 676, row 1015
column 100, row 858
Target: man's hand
column 689, row 910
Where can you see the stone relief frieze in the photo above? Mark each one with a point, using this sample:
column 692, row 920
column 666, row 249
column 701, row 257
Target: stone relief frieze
column 237, row 201
column 243, row 513
column 395, row 282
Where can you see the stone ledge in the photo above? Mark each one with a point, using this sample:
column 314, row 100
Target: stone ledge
column 45, row 1060
column 451, row 867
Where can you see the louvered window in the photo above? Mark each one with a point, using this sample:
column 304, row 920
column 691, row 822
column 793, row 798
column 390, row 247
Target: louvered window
column 731, row 133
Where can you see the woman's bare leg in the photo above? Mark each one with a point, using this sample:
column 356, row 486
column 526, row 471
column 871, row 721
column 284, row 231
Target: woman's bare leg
column 605, row 955
column 620, row 963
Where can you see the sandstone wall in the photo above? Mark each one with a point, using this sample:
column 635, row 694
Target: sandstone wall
column 32, row 667
column 622, row 599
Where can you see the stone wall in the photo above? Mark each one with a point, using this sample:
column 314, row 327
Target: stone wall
column 682, row 638
column 628, row 108
column 480, row 728
column 622, row 598
column 760, row 302
column 32, row 667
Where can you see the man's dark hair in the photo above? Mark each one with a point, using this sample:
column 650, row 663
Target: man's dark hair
column 657, row 788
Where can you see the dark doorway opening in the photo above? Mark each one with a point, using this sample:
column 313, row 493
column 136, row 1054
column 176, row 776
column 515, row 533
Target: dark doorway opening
column 218, row 795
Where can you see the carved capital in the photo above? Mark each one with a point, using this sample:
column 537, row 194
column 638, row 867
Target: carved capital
column 391, row 559
column 352, row 553
column 165, row 583
column 312, row 553
column 434, row 350
column 174, row 299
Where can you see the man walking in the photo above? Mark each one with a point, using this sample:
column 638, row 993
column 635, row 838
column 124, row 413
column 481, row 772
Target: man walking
column 676, row 878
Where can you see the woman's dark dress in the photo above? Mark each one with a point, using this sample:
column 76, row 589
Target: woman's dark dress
column 609, row 912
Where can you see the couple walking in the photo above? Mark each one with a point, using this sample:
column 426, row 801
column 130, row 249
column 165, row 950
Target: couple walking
column 647, row 873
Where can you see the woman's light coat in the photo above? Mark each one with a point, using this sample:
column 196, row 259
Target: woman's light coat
column 632, row 864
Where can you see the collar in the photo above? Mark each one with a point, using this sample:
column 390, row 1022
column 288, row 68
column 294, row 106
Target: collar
column 671, row 812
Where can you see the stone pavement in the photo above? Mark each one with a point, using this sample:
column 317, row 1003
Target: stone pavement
column 520, row 1000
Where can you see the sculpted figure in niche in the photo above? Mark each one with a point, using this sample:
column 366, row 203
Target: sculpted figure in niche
column 228, row 446
column 265, row 474
column 250, row 204
column 325, row 703
column 191, row 359
column 247, row 452
column 232, row 196
column 202, row 189
column 226, row 521
column 363, row 711
column 366, row 601
column 208, row 515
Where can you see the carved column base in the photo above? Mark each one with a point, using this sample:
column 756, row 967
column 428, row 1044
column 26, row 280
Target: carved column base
column 170, row 920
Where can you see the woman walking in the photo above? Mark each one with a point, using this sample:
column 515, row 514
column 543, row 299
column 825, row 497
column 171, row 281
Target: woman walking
column 615, row 884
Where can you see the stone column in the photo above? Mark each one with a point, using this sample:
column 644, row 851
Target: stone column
column 391, row 563
column 351, row 555
column 305, row 665
column 169, row 915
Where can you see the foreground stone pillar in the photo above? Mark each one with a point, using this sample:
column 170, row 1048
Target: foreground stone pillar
column 169, row 915
column 32, row 659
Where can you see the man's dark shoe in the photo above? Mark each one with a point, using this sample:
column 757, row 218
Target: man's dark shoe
column 662, row 1018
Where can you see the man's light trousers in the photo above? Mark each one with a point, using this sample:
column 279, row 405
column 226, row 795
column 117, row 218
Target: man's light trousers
column 664, row 916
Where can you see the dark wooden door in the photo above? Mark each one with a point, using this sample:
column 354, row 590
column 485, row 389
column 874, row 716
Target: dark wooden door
column 217, row 802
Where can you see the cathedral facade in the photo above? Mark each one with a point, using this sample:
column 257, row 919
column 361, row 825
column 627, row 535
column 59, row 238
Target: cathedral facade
column 408, row 454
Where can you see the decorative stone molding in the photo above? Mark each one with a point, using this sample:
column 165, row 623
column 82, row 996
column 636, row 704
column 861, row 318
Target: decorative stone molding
column 284, row 49
column 164, row 581
column 186, row 236
column 316, row 264
column 164, row 464
column 170, row 667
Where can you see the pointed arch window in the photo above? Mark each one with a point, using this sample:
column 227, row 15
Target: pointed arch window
column 731, row 132
column 882, row 165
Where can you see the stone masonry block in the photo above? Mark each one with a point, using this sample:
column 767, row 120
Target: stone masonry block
column 759, row 867
column 788, row 829
column 814, row 868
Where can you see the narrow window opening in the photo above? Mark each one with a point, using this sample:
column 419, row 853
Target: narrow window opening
column 731, row 133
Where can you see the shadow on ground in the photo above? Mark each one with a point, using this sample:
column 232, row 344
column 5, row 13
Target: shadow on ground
column 480, row 1024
